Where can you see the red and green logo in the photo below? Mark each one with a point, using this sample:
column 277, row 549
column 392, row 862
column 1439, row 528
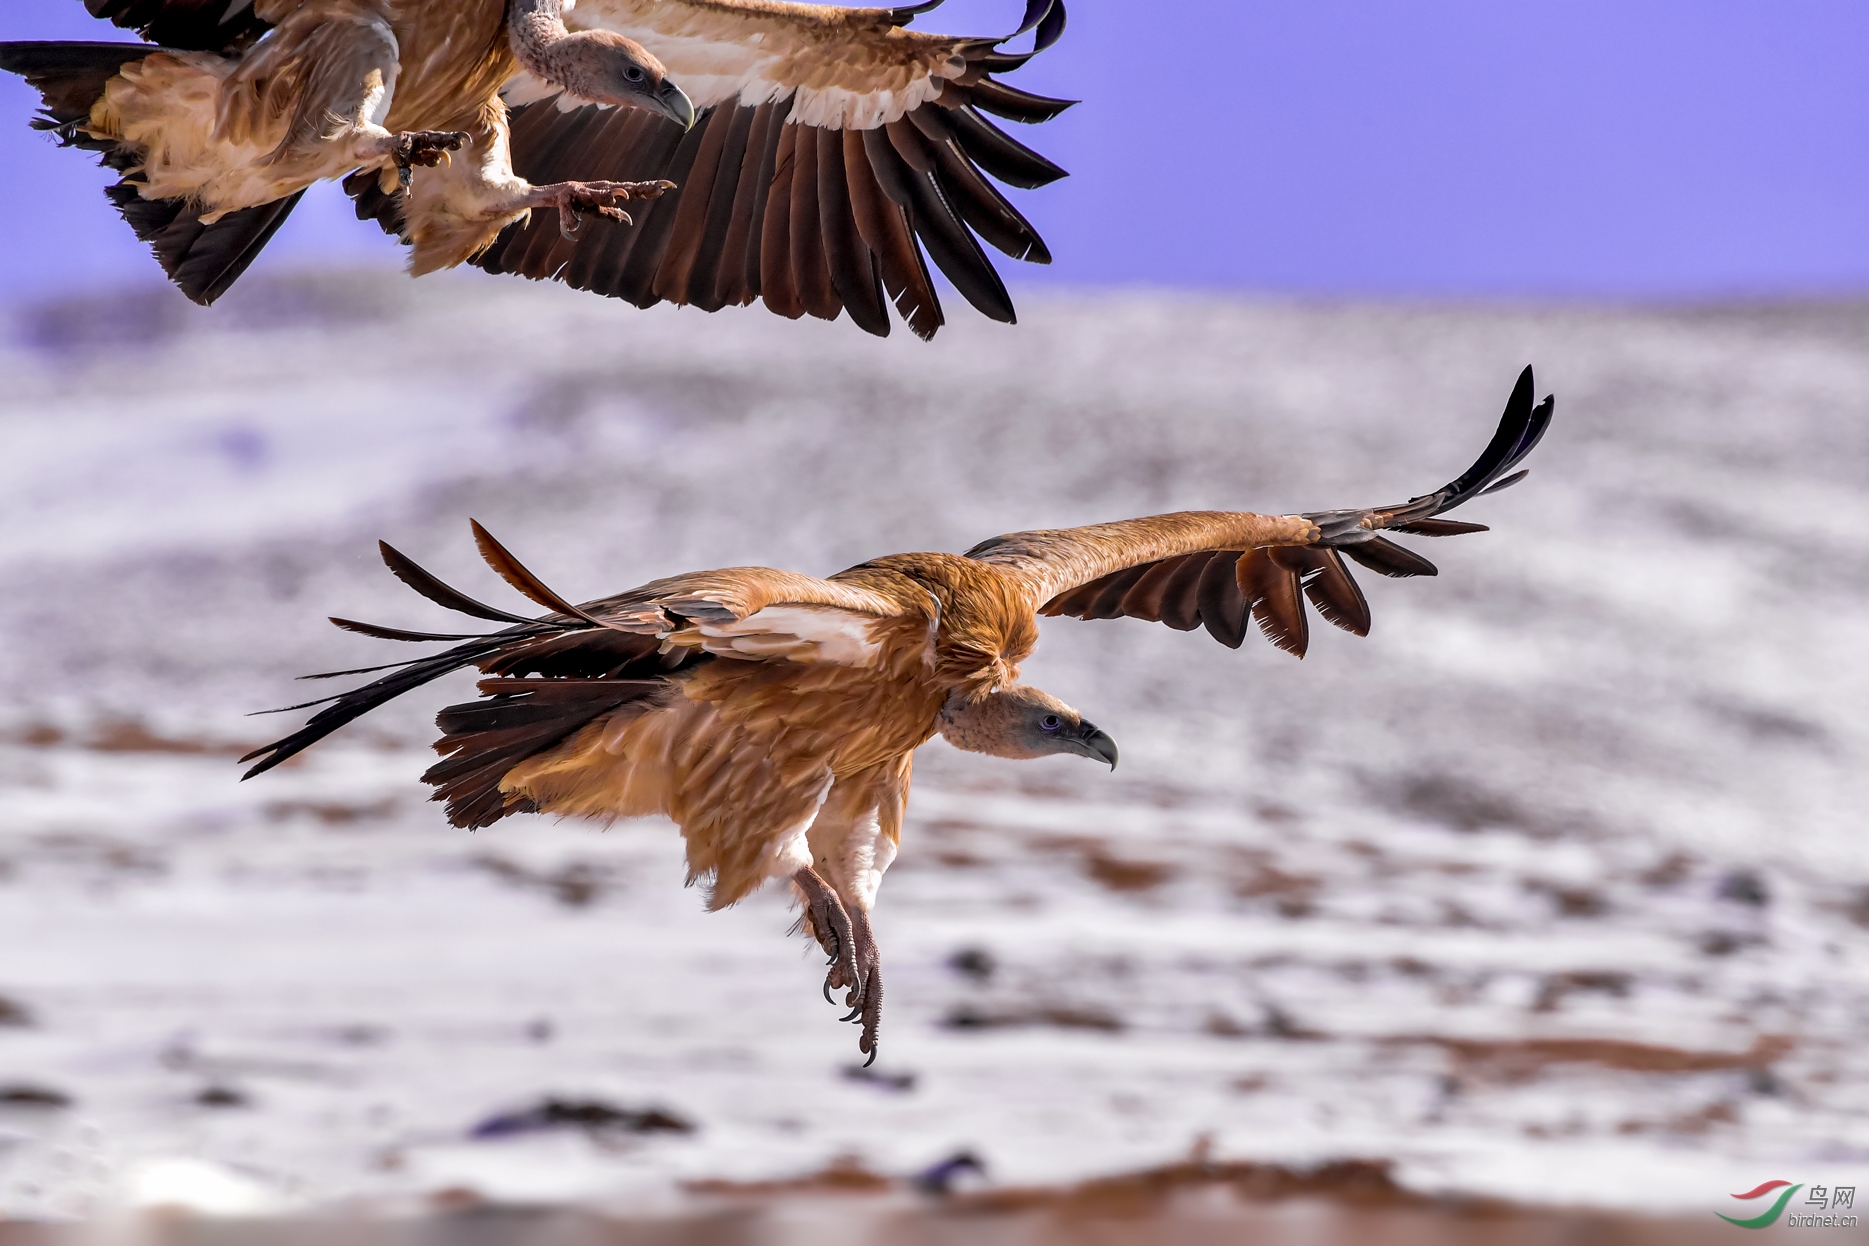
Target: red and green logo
column 1770, row 1214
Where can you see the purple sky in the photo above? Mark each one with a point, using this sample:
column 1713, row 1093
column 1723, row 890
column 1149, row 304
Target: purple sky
column 1437, row 147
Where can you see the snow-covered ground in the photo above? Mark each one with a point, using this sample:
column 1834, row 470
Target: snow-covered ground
column 1553, row 889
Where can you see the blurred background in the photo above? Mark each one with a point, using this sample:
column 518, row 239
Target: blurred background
column 1539, row 914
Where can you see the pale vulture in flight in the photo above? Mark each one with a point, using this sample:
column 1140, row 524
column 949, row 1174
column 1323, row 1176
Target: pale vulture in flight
column 808, row 155
column 773, row 716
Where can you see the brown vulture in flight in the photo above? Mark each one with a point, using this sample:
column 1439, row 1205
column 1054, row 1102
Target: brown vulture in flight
column 773, row 716
column 805, row 154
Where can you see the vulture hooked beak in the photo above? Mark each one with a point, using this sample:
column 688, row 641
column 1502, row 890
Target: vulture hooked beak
column 672, row 102
column 1094, row 743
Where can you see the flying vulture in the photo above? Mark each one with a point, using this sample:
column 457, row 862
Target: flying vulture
column 773, row 715
column 805, row 154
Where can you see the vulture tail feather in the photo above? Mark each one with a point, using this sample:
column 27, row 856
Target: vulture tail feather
column 203, row 259
column 346, row 706
column 404, row 569
column 514, row 572
column 397, row 633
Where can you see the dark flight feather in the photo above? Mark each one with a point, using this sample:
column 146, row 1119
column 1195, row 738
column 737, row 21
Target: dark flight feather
column 1438, row 527
column 998, row 153
column 702, row 287
column 1268, row 579
column 1334, row 591
column 775, row 256
column 192, row 25
column 1010, row 102
column 811, row 273
column 1222, row 605
column 885, row 230
column 1385, row 557
column 738, row 280
column 691, row 218
column 853, row 273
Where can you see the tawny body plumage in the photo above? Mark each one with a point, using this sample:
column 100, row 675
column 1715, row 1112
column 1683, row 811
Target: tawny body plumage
column 773, row 716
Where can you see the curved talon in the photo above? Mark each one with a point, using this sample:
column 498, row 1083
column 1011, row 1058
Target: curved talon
column 830, row 924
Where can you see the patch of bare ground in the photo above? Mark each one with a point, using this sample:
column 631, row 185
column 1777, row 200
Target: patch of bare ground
column 1257, row 878
column 1354, row 1182
column 847, row 1174
column 1012, row 1017
column 1125, row 875
column 119, row 735
column 1522, row 1059
column 574, row 885
column 331, row 813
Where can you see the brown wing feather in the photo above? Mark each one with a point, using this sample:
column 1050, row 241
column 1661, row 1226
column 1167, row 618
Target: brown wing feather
column 1146, row 597
column 656, row 222
column 738, row 283
column 1336, row 595
column 775, row 256
column 1222, row 605
column 811, row 273
column 1269, row 580
column 723, row 210
column 853, row 272
column 690, row 221
column 905, row 272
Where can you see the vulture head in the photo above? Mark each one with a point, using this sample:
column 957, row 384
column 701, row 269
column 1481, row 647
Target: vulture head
column 1021, row 722
column 596, row 65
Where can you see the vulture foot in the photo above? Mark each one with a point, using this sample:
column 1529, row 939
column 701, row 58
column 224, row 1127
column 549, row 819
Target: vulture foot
column 829, row 924
column 427, row 148
column 865, row 1000
column 573, row 199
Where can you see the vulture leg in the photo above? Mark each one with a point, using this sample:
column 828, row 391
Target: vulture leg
column 829, row 923
column 573, row 199
column 866, row 998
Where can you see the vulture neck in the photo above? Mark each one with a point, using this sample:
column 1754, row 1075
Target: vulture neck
column 550, row 52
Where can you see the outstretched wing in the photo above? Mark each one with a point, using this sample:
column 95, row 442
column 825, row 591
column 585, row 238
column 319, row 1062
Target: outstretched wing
column 832, row 147
column 190, row 25
column 1218, row 569
column 555, row 673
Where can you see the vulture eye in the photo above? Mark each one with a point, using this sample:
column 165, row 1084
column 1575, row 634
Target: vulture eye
column 633, row 73
column 1050, row 722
